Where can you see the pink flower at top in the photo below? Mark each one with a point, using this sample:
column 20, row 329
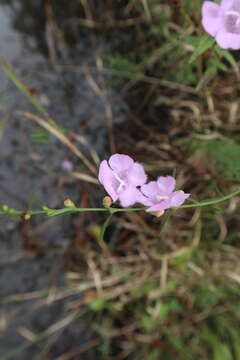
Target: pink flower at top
column 222, row 21
column 120, row 177
column 161, row 195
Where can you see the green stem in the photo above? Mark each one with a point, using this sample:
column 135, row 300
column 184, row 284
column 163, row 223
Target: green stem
column 211, row 202
column 103, row 230
column 115, row 210
column 48, row 212
column 72, row 209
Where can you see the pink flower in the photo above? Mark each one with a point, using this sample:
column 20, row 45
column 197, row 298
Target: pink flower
column 222, row 21
column 161, row 195
column 67, row 165
column 120, row 177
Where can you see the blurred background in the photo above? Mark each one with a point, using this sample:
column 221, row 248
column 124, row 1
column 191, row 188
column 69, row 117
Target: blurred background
column 116, row 76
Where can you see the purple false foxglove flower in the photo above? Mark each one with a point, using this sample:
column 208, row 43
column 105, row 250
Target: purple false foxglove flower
column 161, row 195
column 120, row 177
column 222, row 21
column 67, row 165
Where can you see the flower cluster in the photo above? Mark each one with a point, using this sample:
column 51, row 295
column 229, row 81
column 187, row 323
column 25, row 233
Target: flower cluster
column 125, row 180
column 222, row 21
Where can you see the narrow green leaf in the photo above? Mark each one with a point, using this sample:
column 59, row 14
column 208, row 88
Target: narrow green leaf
column 6, row 67
column 205, row 42
column 227, row 56
column 104, row 228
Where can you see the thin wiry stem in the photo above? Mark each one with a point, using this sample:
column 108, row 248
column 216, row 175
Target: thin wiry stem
column 73, row 209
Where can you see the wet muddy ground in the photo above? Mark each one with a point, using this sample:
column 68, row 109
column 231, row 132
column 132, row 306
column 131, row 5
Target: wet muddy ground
column 31, row 174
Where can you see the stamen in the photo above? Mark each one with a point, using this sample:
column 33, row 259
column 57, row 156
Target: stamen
column 121, row 185
column 232, row 12
column 121, row 182
column 160, row 198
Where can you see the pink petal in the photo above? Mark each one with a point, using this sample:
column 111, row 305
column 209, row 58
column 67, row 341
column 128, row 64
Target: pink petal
column 150, row 190
column 137, row 175
column 162, row 205
column 227, row 40
column 211, row 19
column 120, row 162
column 107, row 179
column 178, row 198
column 166, row 184
column 129, row 196
column 141, row 199
column 227, row 4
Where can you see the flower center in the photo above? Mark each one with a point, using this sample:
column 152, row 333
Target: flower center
column 233, row 17
column 121, row 182
column 236, row 14
column 160, row 198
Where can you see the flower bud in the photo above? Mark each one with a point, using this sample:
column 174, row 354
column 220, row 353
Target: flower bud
column 158, row 213
column 107, row 201
column 68, row 203
column 5, row 208
column 27, row 216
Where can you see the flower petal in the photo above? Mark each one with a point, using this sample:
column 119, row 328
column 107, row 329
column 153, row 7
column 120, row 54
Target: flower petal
column 120, row 162
column 227, row 40
column 162, row 205
column 137, row 175
column 227, row 4
column 178, row 198
column 107, row 179
column 150, row 190
column 166, row 185
column 129, row 196
column 141, row 199
column 211, row 19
